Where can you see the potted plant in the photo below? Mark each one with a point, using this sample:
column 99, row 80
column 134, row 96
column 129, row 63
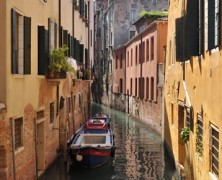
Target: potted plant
column 185, row 134
column 58, row 61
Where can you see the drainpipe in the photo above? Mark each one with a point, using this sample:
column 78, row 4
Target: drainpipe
column 60, row 43
column 141, row 65
column 73, row 18
column 13, row 149
column 36, row 156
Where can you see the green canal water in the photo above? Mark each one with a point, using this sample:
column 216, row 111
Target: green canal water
column 139, row 154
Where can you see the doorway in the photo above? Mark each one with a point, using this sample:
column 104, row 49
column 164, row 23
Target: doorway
column 181, row 145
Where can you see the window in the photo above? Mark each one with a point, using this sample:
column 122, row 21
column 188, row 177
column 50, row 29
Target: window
column 116, row 62
column 143, row 52
column 189, row 118
column 121, row 85
column 81, row 8
column 40, row 114
column 131, row 57
column 143, row 86
column 199, row 138
column 133, row 15
column 43, row 50
column 152, row 88
column 152, row 48
column 52, row 26
column 132, row 34
column 121, row 61
column 136, row 87
column 212, row 23
column 127, row 58
column 147, row 50
column 52, row 112
column 136, row 56
column 18, row 132
column 147, row 88
column 20, row 43
column 131, row 86
column 214, row 150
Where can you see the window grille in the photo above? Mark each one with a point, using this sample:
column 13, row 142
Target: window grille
column 40, row 114
column 52, row 112
column 18, row 130
column 214, row 151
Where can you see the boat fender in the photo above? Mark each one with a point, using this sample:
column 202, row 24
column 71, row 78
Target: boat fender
column 79, row 157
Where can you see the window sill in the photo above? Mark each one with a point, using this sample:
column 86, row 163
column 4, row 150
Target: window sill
column 18, row 76
column 212, row 176
column 19, row 150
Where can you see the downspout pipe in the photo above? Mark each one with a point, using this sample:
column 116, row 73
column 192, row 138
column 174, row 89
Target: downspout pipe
column 36, row 151
column 13, row 149
column 141, row 65
column 60, row 43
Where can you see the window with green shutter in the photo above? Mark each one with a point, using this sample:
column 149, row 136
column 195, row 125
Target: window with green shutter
column 20, row 43
column 43, row 50
column 213, row 30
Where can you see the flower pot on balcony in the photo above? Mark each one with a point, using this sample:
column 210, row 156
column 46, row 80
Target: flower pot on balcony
column 51, row 74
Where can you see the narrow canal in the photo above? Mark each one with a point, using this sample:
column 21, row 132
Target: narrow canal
column 139, row 154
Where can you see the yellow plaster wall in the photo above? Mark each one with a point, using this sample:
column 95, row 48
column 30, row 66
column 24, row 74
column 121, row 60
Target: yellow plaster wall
column 2, row 52
column 22, row 89
column 203, row 78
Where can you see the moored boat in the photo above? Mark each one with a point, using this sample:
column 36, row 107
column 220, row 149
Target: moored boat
column 93, row 145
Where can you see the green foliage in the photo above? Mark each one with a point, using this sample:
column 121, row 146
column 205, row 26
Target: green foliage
column 199, row 143
column 185, row 134
column 58, row 61
column 153, row 14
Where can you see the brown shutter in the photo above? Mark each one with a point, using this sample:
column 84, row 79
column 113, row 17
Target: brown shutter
column 27, row 45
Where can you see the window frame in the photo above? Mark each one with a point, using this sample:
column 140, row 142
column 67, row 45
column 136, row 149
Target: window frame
column 21, row 145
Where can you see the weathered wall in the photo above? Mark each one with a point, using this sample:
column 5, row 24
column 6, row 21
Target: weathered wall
column 122, row 16
column 192, row 84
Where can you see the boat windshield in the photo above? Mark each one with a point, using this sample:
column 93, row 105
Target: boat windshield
column 95, row 131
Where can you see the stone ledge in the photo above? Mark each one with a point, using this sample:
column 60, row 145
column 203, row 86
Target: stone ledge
column 2, row 108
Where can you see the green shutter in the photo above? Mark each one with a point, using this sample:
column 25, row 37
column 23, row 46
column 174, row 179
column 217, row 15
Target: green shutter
column 41, row 50
column 65, row 37
column 86, row 10
column 27, row 45
column 46, row 51
column 201, row 26
column 86, row 58
column 77, row 51
column 69, row 45
column 60, row 36
column 192, row 28
column 81, row 46
column 55, row 35
column 179, row 39
column 81, row 7
column 211, row 24
column 14, row 63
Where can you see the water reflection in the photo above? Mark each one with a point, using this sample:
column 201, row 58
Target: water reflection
column 139, row 154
